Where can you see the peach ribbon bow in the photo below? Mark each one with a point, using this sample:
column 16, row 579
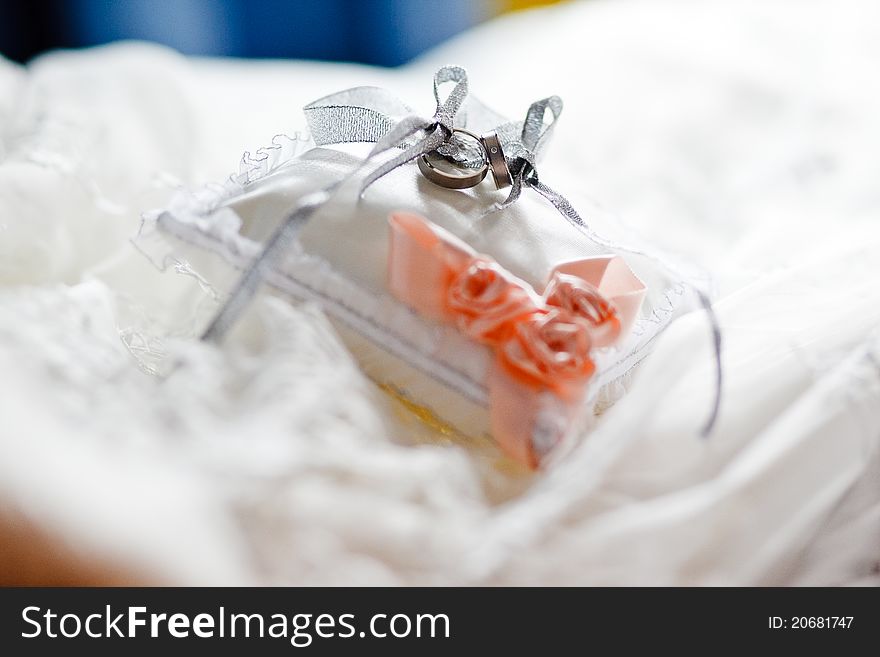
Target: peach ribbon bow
column 542, row 342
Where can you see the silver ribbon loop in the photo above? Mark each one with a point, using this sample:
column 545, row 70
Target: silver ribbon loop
column 432, row 133
column 361, row 114
column 371, row 114
column 524, row 142
column 447, row 109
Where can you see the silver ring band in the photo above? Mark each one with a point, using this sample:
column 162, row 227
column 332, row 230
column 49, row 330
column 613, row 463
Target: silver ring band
column 439, row 177
column 497, row 163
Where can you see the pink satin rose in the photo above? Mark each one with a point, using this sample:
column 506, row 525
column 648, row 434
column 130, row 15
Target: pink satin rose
column 583, row 300
column 485, row 302
column 550, row 349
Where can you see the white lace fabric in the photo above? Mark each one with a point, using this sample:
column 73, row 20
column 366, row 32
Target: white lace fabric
column 274, row 460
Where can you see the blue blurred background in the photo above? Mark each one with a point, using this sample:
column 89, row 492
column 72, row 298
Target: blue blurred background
column 384, row 32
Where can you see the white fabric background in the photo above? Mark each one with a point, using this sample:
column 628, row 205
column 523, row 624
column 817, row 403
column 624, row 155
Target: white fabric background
column 740, row 134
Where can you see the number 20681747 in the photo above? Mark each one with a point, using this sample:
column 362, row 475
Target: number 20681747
column 810, row 622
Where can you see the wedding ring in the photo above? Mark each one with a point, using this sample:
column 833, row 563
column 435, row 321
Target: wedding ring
column 497, row 163
column 443, row 171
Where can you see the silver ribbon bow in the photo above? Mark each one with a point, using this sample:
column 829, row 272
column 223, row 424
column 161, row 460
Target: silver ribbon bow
column 372, row 114
column 523, row 143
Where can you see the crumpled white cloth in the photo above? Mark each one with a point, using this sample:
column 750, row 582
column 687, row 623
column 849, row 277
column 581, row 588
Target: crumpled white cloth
column 735, row 133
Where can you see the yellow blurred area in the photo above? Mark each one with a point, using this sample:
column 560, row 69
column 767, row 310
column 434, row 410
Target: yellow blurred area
column 516, row 5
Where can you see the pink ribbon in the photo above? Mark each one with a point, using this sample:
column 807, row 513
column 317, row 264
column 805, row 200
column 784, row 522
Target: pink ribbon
column 542, row 342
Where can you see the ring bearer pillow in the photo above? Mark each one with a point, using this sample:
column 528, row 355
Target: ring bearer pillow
column 514, row 321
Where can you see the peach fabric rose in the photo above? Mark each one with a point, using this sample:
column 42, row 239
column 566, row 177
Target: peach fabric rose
column 550, row 349
column 585, row 301
column 542, row 343
column 486, row 303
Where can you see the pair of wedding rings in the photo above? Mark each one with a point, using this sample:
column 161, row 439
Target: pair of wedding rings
column 442, row 170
